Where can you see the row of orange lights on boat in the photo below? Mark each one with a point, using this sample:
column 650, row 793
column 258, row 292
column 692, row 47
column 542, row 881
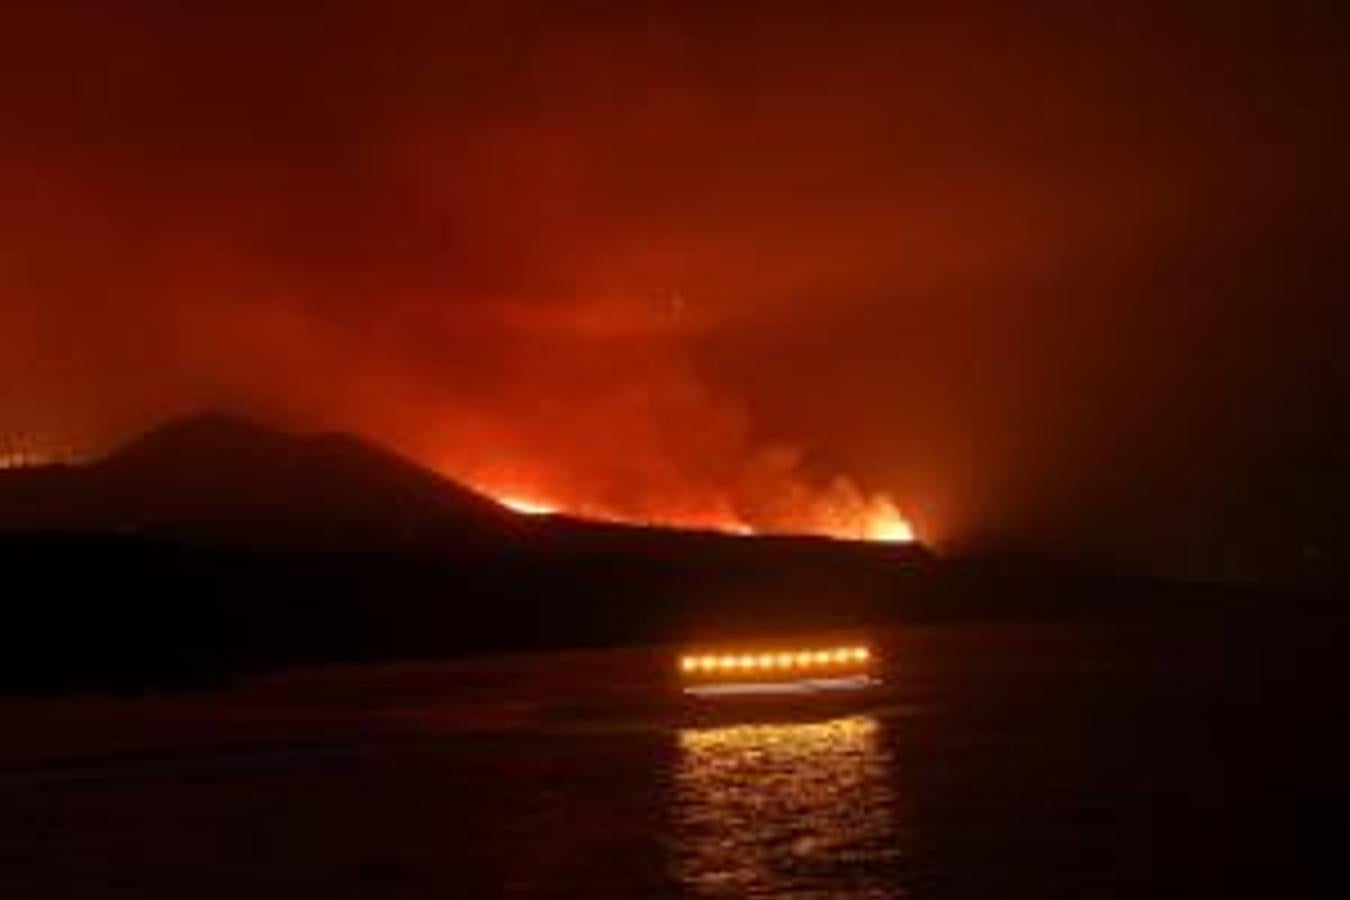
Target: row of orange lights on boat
column 799, row 659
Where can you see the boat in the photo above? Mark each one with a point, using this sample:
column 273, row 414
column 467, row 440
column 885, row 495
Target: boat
column 743, row 682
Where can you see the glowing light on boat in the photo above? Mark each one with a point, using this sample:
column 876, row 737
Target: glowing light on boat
column 798, row 671
column 800, row 686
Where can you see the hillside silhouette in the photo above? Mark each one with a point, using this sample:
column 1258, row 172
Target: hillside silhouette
column 216, row 478
column 212, row 546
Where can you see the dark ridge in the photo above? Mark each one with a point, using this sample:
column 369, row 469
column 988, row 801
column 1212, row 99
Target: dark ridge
column 221, row 478
column 215, row 546
column 203, row 438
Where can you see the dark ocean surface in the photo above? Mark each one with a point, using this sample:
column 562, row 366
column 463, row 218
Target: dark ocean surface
column 1182, row 758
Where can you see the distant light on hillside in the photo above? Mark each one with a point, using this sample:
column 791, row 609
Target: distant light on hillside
column 527, row 507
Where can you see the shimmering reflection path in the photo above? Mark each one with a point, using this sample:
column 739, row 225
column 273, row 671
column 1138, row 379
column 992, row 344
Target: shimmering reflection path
column 785, row 810
column 1142, row 761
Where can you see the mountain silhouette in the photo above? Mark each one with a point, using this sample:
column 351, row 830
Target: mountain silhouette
column 221, row 478
column 213, row 545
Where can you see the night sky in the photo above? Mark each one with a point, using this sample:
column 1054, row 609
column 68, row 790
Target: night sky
column 1072, row 278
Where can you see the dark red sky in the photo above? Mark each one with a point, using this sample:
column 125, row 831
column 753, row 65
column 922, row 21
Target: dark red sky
column 1072, row 276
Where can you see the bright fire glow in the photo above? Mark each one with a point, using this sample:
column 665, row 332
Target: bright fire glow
column 850, row 517
column 885, row 523
column 527, row 507
column 890, row 530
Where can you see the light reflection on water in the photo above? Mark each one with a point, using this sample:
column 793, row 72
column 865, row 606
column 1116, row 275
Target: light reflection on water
column 786, row 810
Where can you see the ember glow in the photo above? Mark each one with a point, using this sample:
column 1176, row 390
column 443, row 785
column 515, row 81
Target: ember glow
column 887, row 525
column 880, row 521
column 526, row 506
column 17, row 454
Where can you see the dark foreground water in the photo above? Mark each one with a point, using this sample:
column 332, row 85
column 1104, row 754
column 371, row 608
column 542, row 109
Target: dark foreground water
column 1179, row 759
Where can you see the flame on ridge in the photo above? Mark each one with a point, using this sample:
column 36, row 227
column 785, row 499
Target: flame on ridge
column 881, row 523
column 526, row 506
